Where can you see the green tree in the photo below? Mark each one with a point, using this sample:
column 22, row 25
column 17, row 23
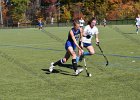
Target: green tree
column 100, row 8
column 66, row 16
column 136, row 8
column 18, row 9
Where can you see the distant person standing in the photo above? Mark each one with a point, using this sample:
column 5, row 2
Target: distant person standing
column 137, row 24
column 40, row 23
column 52, row 20
column 104, row 22
column 82, row 22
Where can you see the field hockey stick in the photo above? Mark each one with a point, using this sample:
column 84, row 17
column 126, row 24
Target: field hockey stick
column 103, row 55
column 88, row 74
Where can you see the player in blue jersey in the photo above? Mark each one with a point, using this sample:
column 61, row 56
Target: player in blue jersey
column 40, row 23
column 70, row 47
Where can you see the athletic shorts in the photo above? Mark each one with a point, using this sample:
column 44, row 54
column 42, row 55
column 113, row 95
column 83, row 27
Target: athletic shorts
column 87, row 44
column 137, row 26
column 68, row 44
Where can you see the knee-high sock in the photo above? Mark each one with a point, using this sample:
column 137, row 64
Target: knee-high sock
column 77, row 59
column 86, row 53
column 74, row 63
column 59, row 62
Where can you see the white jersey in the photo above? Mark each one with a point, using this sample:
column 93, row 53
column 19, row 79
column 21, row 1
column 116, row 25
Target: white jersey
column 89, row 31
column 138, row 21
column 81, row 22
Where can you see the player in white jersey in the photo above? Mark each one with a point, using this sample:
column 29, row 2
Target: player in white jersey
column 104, row 22
column 89, row 31
column 137, row 23
column 81, row 22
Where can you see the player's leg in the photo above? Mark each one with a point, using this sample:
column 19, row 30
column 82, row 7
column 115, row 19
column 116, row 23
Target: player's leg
column 90, row 51
column 70, row 47
column 104, row 24
column 41, row 26
column 73, row 54
column 59, row 62
column 79, row 51
column 38, row 27
column 137, row 29
column 74, row 62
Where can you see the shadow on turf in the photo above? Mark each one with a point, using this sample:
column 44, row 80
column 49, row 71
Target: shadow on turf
column 61, row 71
column 129, row 33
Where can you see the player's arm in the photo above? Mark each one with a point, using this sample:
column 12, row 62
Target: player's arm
column 97, row 38
column 81, row 33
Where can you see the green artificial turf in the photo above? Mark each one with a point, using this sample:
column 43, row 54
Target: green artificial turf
column 26, row 54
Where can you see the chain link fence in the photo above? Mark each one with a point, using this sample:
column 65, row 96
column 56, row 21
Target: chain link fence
column 65, row 24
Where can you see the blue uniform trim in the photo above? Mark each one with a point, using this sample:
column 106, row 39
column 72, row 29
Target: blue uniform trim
column 87, row 44
column 86, row 53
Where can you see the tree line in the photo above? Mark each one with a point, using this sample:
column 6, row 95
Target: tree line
column 28, row 11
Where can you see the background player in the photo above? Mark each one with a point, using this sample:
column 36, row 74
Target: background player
column 82, row 22
column 40, row 23
column 137, row 24
column 104, row 22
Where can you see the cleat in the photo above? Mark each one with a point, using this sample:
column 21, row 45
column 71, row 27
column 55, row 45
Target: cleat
column 51, row 67
column 78, row 71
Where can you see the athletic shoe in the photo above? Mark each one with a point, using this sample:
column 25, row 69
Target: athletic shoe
column 81, row 58
column 51, row 67
column 78, row 71
column 137, row 32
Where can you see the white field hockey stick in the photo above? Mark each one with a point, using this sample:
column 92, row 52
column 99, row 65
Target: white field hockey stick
column 88, row 74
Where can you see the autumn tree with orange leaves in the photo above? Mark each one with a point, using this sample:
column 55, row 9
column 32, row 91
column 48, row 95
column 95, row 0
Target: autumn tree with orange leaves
column 72, row 9
column 123, row 9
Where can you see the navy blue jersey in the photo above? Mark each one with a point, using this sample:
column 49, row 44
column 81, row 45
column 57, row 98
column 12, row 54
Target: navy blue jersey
column 76, row 35
column 40, row 23
column 69, row 42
